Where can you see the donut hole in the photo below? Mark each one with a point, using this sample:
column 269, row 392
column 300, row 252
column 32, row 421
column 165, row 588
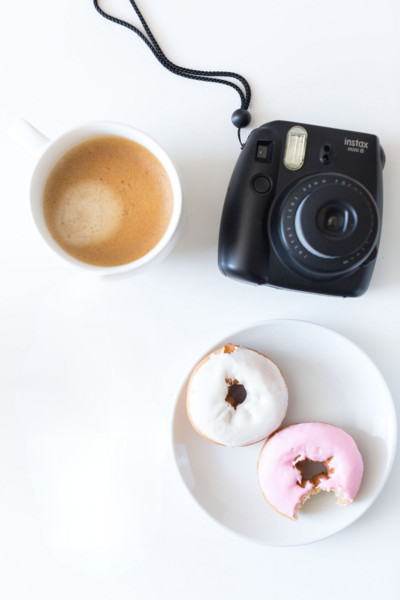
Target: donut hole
column 236, row 393
column 312, row 471
column 229, row 348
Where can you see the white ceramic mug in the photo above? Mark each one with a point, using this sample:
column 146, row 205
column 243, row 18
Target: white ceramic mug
column 49, row 152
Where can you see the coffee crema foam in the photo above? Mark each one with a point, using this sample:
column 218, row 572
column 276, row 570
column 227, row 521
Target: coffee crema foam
column 108, row 201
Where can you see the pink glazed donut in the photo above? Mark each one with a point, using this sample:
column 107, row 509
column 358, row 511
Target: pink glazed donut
column 282, row 482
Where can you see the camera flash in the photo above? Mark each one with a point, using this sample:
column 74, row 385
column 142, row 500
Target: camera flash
column 295, row 150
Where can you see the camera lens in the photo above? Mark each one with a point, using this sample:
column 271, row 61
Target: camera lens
column 335, row 219
column 324, row 226
column 332, row 228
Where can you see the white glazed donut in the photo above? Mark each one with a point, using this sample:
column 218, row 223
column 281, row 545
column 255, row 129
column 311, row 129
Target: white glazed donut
column 236, row 396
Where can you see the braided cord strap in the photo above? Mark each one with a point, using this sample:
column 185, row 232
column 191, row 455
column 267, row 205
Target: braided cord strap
column 212, row 76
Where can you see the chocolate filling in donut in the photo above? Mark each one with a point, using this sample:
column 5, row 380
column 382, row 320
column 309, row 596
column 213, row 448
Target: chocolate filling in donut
column 236, row 393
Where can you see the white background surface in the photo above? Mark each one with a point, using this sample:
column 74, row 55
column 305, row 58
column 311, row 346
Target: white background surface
column 91, row 505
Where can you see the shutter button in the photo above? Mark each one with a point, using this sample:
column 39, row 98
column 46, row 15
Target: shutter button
column 262, row 184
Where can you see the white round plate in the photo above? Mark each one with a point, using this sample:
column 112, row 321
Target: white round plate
column 331, row 380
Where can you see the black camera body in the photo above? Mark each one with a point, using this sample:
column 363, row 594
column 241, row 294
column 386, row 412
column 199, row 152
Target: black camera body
column 303, row 210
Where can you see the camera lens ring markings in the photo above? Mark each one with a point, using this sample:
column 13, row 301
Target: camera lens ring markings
column 298, row 254
column 347, row 203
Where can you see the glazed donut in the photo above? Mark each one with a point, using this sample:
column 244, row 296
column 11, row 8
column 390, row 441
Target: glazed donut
column 281, row 477
column 236, row 396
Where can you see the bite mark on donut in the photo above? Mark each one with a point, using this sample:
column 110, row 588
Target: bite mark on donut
column 236, row 393
column 315, row 481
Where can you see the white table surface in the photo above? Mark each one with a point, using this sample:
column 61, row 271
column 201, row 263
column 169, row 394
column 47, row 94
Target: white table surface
column 91, row 505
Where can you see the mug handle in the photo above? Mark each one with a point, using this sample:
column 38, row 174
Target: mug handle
column 28, row 137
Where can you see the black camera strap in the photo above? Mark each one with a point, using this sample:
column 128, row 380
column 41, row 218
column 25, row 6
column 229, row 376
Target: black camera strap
column 240, row 117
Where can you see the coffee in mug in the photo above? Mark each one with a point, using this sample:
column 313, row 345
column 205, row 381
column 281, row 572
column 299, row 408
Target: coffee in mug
column 108, row 201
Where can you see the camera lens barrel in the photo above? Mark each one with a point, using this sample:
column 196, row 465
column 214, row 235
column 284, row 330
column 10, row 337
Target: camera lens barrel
column 327, row 225
column 333, row 221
